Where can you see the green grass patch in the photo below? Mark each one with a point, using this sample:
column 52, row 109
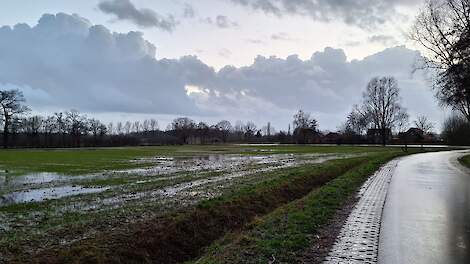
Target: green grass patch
column 465, row 160
column 286, row 232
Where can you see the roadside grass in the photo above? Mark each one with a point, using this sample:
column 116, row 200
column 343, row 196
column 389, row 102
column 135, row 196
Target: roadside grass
column 286, row 232
column 90, row 160
column 465, row 160
column 183, row 236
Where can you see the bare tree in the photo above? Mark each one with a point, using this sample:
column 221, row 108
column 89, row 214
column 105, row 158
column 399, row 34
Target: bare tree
column 224, row 127
column 183, row 127
column 11, row 107
column 153, row 125
column 146, row 125
column 424, row 124
column 382, row 103
column 76, row 126
column 268, row 130
column 136, row 126
column 119, row 128
column 249, row 129
column 357, row 121
column 127, row 127
column 110, row 128
column 303, row 120
column 33, row 124
column 442, row 29
column 305, row 127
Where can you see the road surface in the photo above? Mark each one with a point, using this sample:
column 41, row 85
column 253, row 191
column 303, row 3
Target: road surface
column 414, row 210
column 426, row 217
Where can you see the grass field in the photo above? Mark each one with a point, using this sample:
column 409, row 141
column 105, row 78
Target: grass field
column 94, row 201
column 79, row 161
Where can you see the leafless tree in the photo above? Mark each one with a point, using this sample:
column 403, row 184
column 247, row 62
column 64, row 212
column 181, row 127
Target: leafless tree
column 136, row 126
column 381, row 102
column 76, row 126
column 224, row 127
column 357, row 121
column 304, row 121
column 268, row 130
column 183, row 127
column 249, row 129
column 424, row 124
column 119, row 128
column 146, row 125
column 442, row 29
column 127, row 127
column 11, row 107
column 305, row 127
column 110, row 128
column 153, row 125
column 33, row 124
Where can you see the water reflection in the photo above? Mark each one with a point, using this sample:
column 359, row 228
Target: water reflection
column 39, row 195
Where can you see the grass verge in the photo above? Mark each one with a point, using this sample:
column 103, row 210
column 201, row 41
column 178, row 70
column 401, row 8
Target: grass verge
column 465, row 160
column 182, row 237
column 286, row 233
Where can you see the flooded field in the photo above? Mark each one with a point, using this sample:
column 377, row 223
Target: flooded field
column 52, row 208
column 195, row 171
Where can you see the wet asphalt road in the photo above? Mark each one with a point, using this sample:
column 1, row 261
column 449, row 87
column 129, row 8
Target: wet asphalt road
column 426, row 218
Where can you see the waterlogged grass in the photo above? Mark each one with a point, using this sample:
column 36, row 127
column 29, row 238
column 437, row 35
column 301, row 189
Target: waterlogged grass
column 465, row 160
column 181, row 237
column 82, row 161
column 287, row 232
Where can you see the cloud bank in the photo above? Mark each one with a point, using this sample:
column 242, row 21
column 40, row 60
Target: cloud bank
column 66, row 62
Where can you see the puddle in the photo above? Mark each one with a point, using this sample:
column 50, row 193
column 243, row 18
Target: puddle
column 11, row 181
column 211, row 162
column 38, row 195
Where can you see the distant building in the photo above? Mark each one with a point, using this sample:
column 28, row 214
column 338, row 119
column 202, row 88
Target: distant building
column 374, row 135
column 332, row 138
column 307, row 136
column 412, row 135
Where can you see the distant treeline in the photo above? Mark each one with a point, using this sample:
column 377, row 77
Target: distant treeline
column 73, row 129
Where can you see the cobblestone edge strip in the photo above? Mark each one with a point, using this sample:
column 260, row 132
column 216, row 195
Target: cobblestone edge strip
column 358, row 240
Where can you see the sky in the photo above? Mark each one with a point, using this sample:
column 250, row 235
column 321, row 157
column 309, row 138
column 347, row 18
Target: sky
column 258, row 60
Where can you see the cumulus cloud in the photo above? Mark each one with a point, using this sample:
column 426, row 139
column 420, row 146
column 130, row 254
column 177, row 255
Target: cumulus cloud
column 362, row 13
column 75, row 64
column 88, row 67
column 144, row 17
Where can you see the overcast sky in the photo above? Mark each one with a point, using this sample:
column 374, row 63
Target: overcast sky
column 257, row 60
